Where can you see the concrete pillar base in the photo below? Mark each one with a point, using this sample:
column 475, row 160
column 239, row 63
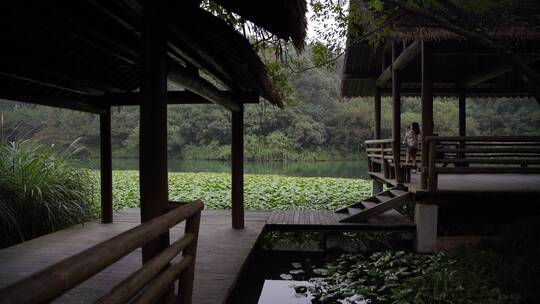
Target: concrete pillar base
column 376, row 187
column 425, row 218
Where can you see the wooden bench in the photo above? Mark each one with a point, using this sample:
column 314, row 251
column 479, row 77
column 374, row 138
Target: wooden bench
column 481, row 154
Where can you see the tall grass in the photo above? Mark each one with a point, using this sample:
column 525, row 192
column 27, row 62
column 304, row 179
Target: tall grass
column 40, row 192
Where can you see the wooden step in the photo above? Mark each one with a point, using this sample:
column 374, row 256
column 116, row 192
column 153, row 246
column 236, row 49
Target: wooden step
column 378, row 198
column 373, row 209
column 397, row 192
column 345, row 209
column 353, row 211
column 383, row 198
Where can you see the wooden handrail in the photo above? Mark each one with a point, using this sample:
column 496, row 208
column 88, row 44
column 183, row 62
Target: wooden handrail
column 122, row 292
column 74, row 270
column 486, row 138
column 379, row 141
column 160, row 284
column 495, row 154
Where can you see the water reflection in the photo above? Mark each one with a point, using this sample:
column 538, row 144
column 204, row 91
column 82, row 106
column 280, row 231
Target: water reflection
column 350, row 169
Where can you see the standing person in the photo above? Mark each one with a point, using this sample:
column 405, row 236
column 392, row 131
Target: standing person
column 411, row 140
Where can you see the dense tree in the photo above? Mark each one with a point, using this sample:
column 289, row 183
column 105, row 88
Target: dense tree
column 317, row 124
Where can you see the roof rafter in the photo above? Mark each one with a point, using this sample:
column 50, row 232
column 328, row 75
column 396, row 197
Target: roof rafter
column 202, row 87
column 491, row 73
column 401, row 61
column 174, row 97
column 56, row 79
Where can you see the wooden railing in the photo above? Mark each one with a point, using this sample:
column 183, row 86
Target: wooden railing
column 481, row 154
column 145, row 285
column 379, row 156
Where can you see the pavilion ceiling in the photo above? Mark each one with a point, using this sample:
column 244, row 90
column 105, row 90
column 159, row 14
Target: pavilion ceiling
column 81, row 52
column 458, row 64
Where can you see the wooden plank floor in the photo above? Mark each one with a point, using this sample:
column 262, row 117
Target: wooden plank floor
column 329, row 220
column 221, row 254
column 498, row 183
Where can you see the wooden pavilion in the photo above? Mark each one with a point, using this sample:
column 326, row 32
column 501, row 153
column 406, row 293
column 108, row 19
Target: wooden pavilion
column 93, row 55
column 419, row 58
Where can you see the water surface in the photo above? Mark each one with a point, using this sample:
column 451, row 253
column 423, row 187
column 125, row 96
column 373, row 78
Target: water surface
column 350, row 169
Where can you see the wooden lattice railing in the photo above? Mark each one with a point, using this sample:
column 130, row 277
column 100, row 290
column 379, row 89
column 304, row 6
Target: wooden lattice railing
column 379, row 156
column 145, row 285
column 481, row 154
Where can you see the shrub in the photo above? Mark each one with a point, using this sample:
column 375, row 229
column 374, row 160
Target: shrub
column 40, row 192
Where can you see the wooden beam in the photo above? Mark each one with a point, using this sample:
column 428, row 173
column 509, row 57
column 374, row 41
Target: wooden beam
column 427, row 108
column 491, row 73
column 153, row 122
column 196, row 55
column 178, row 48
column 396, row 115
column 106, row 166
column 455, row 91
column 175, row 97
column 237, row 163
column 202, row 87
column 46, row 77
column 377, row 114
column 399, row 63
column 57, row 102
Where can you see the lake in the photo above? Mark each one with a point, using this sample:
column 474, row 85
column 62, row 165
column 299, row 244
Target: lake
column 349, row 169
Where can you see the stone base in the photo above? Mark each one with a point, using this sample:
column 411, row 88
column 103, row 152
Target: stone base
column 425, row 218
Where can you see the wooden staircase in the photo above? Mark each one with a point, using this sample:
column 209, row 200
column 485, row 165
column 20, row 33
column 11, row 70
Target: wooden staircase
column 382, row 202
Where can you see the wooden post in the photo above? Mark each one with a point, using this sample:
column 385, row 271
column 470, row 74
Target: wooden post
column 432, row 173
column 462, row 115
column 153, row 122
column 185, row 283
column 377, row 114
column 427, row 108
column 462, row 123
column 106, row 166
column 237, row 162
column 396, row 115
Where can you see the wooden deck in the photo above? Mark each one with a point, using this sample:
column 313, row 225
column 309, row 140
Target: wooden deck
column 475, row 182
column 221, row 254
column 481, row 188
column 329, row 220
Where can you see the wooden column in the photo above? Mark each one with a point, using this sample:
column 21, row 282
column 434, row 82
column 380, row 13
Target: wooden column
column 106, row 166
column 396, row 115
column 153, row 122
column 237, row 162
column 377, row 114
column 462, row 124
column 462, row 115
column 427, row 108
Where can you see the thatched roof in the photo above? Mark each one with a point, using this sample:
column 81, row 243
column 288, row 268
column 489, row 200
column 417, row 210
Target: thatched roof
column 523, row 26
column 81, row 50
column 284, row 18
column 455, row 58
